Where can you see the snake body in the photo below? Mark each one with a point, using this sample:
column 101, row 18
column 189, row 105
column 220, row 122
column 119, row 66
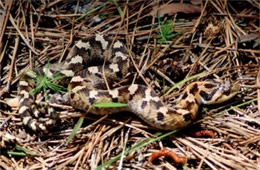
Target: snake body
column 87, row 86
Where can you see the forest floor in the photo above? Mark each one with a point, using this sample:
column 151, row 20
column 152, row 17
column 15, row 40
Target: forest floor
column 171, row 44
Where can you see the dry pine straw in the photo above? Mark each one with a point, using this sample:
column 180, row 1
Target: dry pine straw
column 27, row 43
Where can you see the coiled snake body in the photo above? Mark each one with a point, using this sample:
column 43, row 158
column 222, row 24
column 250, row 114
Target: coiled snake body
column 86, row 86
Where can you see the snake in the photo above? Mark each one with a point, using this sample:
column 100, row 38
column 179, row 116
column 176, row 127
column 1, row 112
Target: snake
column 92, row 65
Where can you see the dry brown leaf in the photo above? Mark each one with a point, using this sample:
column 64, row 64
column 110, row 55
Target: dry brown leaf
column 211, row 30
column 248, row 37
column 173, row 8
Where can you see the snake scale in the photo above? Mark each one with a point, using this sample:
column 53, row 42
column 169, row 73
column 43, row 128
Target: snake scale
column 86, row 86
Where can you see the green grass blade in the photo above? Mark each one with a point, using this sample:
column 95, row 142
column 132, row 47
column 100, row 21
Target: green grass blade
column 27, row 151
column 120, row 11
column 184, row 81
column 75, row 130
column 135, row 147
column 226, row 110
column 16, row 153
column 109, row 105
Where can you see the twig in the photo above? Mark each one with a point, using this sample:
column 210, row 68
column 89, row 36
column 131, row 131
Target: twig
column 17, row 40
column 22, row 36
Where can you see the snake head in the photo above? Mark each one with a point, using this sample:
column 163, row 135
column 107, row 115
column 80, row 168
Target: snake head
column 228, row 90
column 214, row 92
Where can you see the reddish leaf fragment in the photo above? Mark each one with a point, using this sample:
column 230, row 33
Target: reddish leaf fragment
column 204, row 133
column 167, row 153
